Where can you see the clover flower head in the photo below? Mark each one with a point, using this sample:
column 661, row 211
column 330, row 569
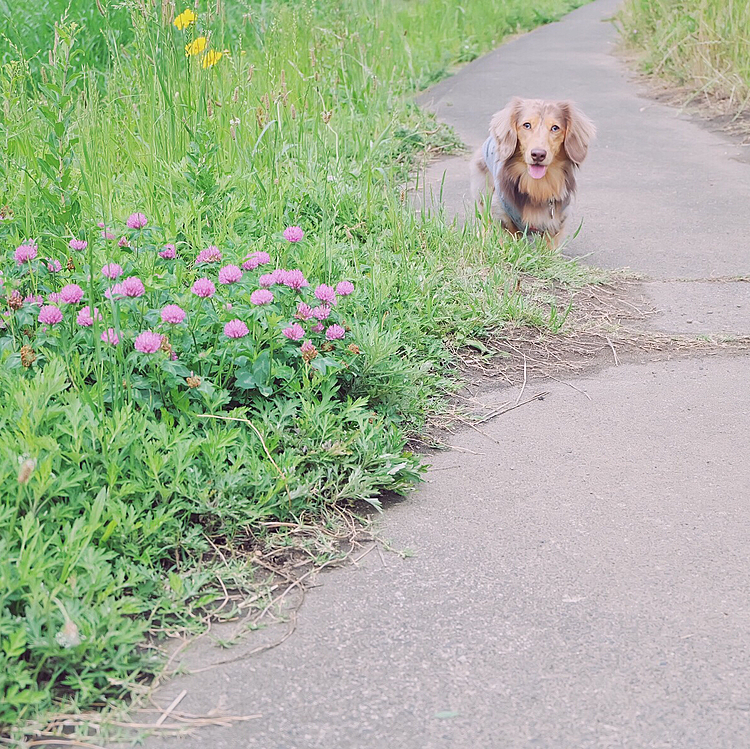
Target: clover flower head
column 148, row 342
column 110, row 336
column 235, row 329
column 78, row 244
column 308, row 351
column 261, row 296
column 230, row 274
column 295, row 279
column 294, row 332
column 212, row 254
column 85, row 319
column 25, row 252
column 293, row 234
column 204, row 288
column 71, row 293
column 116, row 291
column 304, row 311
column 133, row 286
column 344, row 288
column 50, row 315
column 173, row 314
column 326, row 294
column 335, row 332
column 254, row 259
column 14, row 300
column 136, row 221
column 112, row 270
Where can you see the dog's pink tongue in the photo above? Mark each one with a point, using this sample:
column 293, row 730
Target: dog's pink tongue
column 537, row 171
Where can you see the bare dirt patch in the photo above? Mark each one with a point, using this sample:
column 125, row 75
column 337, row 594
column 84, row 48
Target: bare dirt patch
column 606, row 327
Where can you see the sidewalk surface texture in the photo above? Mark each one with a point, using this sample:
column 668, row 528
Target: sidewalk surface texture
column 580, row 570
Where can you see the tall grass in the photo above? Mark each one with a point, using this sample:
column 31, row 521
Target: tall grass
column 27, row 30
column 109, row 505
column 701, row 44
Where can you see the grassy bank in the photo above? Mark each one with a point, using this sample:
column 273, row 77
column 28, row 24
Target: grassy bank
column 703, row 45
column 204, row 218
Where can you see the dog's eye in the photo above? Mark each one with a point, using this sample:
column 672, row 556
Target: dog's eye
column 555, row 128
column 527, row 125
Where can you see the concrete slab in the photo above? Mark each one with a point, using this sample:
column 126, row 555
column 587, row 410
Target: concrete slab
column 700, row 307
column 581, row 583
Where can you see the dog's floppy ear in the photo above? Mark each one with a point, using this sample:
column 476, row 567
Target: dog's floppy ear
column 579, row 132
column 503, row 129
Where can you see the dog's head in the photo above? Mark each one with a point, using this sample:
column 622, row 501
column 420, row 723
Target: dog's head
column 540, row 132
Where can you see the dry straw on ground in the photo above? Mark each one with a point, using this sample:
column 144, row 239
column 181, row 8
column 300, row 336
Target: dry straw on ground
column 607, row 326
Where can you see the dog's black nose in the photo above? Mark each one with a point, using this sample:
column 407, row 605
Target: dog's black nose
column 538, row 154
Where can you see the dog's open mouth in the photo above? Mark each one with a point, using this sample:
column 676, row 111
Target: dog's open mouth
column 537, row 171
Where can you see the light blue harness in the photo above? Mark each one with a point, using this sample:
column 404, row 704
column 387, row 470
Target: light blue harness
column 489, row 151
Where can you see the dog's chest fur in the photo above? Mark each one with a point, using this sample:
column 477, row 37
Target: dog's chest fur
column 541, row 203
column 547, row 218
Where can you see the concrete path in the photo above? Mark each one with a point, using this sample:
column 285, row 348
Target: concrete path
column 581, row 569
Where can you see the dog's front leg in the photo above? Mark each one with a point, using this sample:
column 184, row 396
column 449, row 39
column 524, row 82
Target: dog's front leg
column 558, row 238
column 499, row 214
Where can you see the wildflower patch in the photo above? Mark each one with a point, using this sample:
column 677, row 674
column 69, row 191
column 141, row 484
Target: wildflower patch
column 238, row 326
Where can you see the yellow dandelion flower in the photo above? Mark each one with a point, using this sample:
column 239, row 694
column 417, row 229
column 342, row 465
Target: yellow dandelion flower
column 184, row 19
column 211, row 58
column 197, row 46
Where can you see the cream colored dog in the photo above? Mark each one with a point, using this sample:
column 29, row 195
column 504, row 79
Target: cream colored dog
column 529, row 164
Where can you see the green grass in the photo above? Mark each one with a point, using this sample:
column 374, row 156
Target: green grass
column 703, row 45
column 110, row 495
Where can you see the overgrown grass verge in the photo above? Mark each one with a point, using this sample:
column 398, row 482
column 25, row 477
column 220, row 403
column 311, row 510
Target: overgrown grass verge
column 703, row 46
column 143, row 205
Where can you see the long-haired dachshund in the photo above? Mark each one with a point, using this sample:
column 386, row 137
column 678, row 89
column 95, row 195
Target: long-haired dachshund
column 529, row 163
